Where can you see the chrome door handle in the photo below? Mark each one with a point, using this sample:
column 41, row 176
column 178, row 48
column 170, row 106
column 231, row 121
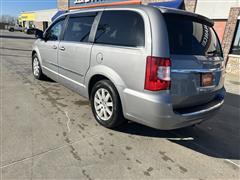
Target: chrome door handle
column 54, row 47
column 62, row 48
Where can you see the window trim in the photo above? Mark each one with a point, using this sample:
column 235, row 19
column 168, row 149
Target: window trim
column 67, row 24
column 219, row 42
column 120, row 46
column 55, row 22
column 234, row 37
column 82, row 14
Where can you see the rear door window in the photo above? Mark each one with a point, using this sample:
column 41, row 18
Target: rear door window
column 78, row 28
column 122, row 28
column 188, row 37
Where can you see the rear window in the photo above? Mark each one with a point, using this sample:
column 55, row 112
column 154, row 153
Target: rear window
column 188, row 37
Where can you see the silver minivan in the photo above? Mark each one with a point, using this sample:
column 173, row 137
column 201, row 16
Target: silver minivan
column 160, row 67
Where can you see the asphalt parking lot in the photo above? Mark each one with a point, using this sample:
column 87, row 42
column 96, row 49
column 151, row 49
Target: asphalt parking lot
column 48, row 132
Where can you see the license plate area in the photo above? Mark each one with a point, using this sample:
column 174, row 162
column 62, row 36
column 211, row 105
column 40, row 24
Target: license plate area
column 206, row 79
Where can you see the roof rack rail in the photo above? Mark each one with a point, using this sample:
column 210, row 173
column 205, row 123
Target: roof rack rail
column 118, row 3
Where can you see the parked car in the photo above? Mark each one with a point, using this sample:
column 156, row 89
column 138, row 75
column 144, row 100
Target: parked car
column 160, row 67
column 15, row 28
column 30, row 30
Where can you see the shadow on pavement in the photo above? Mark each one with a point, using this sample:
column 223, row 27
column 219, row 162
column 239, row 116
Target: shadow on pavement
column 16, row 37
column 218, row 137
column 47, row 79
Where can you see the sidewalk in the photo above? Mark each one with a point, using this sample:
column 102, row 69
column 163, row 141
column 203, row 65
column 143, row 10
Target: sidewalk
column 232, row 83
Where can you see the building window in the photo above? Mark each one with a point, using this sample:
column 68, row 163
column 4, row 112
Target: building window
column 236, row 41
column 31, row 24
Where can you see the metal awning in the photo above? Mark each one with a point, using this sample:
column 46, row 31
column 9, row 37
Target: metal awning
column 171, row 4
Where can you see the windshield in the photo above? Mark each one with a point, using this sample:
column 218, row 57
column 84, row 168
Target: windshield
column 188, row 37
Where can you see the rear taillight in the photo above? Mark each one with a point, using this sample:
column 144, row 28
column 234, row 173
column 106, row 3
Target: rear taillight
column 157, row 73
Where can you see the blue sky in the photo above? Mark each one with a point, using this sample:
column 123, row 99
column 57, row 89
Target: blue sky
column 14, row 7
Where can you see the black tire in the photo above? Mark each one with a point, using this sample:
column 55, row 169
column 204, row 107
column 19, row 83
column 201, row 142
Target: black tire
column 39, row 75
column 11, row 30
column 116, row 119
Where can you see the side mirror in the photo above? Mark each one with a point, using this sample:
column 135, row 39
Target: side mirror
column 39, row 34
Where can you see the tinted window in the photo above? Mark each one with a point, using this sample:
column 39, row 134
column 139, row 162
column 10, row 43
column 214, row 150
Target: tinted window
column 78, row 28
column 188, row 37
column 236, row 43
column 124, row 28
column 53, row 34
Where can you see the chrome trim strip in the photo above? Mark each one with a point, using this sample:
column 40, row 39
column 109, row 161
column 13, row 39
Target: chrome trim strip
column 206, row 88
column 75, row 82
column 196, row 70
column 204, row 110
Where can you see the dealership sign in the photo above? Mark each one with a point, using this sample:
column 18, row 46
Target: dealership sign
column 74, row 4
column 102, row 1
column 89, row 2
column 81, row 1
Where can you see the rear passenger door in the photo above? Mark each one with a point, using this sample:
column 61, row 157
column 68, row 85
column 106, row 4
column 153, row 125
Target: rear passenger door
column 74, row 50
column 120, row 46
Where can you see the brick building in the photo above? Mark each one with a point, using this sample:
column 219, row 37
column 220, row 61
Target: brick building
column 226, row 16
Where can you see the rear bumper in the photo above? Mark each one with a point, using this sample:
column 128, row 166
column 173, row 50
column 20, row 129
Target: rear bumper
column 155, row 110
column 215, row 104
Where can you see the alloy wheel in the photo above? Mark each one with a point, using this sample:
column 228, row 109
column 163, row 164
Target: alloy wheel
column 36, row 67
column 103, row 104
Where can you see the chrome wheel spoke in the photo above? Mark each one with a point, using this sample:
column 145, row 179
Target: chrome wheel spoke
column 101, row 113
column 105, row 114
column 107, row 97
column 109, row 111
column 98, row 107
column 109, row 104
column 103, row 94
column 98, row 95
column 97, row 101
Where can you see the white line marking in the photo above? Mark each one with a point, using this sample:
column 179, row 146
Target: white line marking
column 228, row 160
column 68, row 121
column 181, row 139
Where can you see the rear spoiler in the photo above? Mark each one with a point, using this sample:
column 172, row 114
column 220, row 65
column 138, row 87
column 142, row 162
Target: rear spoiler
column 193, row 16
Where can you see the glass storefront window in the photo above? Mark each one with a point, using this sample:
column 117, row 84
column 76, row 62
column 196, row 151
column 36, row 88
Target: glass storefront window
column 31, row 24
column 236, row 41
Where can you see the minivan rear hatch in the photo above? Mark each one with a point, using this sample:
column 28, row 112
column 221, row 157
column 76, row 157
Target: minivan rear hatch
column 197, row 60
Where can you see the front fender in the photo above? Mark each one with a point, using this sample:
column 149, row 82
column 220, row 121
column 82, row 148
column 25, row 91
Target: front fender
column 36, row 49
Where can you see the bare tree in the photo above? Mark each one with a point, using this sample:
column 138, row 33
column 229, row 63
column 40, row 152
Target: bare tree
column 8, row 19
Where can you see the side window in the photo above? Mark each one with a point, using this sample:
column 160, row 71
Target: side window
column 78, row 28
column 235, row 49
column 123, row 28
column 53, row 34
